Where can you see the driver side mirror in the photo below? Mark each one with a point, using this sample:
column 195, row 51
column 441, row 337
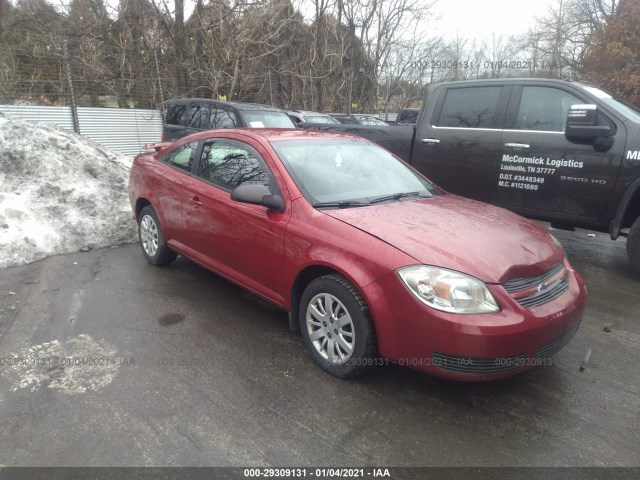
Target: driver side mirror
column 582, row 123
column 257, row 194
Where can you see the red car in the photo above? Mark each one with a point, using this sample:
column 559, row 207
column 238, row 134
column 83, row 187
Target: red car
column 373, row 262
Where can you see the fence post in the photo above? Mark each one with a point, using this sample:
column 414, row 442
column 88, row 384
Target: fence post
column 270, row 89
column 74, row 106
column 312, row 89
column 155, row 54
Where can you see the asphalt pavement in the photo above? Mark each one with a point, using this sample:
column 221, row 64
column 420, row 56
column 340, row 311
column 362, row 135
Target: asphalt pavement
column 107, row 360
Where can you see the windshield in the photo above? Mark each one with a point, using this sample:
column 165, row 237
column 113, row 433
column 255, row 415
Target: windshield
column 267, row 119
column 320, row 119
column 346, row 170
column 630, row 111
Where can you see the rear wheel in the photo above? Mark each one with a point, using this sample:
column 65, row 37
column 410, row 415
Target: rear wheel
column 151, row 238
column 337, row 327
column 633, row 246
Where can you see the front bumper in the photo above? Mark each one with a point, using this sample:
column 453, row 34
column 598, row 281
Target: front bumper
column 472, row 347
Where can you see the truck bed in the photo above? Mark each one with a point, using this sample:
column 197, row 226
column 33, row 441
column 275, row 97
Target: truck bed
column 396, row 139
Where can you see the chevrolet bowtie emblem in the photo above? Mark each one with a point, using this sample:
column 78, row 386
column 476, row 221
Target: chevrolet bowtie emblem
column 543, row 286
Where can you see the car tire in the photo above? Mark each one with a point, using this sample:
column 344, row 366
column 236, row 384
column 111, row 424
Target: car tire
column 633, row 246
column 337, row 328
column 151, row 238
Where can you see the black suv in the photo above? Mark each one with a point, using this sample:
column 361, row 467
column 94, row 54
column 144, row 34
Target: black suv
column 191, row 115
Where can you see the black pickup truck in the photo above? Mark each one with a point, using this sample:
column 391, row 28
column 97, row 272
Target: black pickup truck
column 564, row 152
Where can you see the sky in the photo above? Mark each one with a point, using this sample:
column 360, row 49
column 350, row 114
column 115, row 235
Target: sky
column 475, row 19
column 471, row 19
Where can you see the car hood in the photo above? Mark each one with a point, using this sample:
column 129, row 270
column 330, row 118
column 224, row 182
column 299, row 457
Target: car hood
column 448, row 231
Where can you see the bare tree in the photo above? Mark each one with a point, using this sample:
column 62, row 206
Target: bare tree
column 403, row 74
column 172, row 21
column 380, row 24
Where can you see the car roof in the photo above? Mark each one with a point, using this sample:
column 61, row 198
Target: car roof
column 280, row 134
column 237, row 105
column 513, row 80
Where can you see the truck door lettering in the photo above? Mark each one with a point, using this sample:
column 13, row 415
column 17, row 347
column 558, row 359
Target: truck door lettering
column 564, row 163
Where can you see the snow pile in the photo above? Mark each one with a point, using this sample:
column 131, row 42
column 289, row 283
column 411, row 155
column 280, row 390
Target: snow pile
column 59, row 193
column 70, row 367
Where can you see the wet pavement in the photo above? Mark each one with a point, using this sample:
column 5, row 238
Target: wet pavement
column 180, row 367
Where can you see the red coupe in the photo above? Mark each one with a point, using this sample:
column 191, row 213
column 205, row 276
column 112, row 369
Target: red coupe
column 373, row 262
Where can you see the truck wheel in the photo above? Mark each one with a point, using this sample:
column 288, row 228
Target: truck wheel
column 633, row 246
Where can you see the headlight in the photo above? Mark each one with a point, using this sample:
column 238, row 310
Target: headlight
column 447, row 290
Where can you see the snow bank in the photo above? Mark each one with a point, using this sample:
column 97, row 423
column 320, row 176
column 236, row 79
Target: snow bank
column 59, row 192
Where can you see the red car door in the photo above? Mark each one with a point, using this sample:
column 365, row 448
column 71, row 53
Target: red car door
column 241, row 241
column 171, row 175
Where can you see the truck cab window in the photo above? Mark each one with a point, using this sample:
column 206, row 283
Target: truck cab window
column 544, row 109
column 470, row 107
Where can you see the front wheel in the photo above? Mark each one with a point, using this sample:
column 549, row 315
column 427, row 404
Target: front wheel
column 151, row 238
column 633, row 246
column 337, row 327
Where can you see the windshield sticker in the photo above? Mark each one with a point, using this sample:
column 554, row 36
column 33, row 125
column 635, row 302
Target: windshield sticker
column 529, row 173
column 256, row 124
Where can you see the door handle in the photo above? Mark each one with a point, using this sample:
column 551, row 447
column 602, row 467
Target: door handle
column 195, row 201
column 430, row 141
column 517, row 145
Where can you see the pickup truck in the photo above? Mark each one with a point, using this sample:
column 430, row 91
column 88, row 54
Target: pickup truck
column 563, row 152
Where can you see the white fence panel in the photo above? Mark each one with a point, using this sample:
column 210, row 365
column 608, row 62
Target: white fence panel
column 60, row 116
column 120, row 129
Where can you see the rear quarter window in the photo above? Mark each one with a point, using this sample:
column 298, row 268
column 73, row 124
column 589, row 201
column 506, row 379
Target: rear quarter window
column 197, row 116
column 182, row 157
column 174, row 112
column 222, row 118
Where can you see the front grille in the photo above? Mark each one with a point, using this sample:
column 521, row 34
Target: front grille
column 523, row 283
column 553, row 291
column 543, row 292
column 556, row 345
column 477, row 366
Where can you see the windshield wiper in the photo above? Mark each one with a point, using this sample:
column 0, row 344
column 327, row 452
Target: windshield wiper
column 398, row 196
column 343, row 204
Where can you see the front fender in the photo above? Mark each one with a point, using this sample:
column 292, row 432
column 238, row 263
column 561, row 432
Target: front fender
column 633, row 191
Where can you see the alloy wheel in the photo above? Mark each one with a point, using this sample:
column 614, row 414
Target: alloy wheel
column 149, row 235
column 330, row 328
